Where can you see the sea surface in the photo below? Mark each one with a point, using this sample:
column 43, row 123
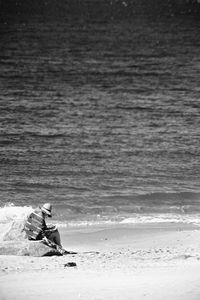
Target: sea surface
column 101, row 119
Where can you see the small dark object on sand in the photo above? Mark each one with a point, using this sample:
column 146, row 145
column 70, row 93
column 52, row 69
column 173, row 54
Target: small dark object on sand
column 69, row 252
column 70, row 264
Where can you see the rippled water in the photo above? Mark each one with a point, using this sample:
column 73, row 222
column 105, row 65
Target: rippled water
column 100, row 118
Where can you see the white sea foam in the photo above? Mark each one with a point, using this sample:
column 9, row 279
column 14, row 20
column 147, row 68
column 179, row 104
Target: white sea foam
column 136, row 219
column 163, row 218
column 11, row 212
column 86, row 223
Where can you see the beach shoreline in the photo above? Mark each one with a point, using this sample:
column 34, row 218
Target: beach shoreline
column 122, row 262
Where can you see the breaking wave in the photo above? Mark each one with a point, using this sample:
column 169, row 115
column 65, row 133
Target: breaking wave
column 12, row 213
column 134, row 220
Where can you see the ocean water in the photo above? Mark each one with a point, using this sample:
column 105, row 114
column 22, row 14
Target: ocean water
column 101, row 119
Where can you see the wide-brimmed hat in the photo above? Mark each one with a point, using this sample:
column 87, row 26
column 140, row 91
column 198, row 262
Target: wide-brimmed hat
column 46, row 208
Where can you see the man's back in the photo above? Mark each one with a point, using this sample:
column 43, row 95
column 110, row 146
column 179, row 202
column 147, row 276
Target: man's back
column 35, row 225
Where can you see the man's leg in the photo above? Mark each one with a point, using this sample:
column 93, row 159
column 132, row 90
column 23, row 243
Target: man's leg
column 54, row 237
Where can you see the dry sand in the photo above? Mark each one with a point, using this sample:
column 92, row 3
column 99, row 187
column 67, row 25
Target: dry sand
column 126, row 262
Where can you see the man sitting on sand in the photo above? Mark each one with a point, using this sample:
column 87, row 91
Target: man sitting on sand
column 36, row 228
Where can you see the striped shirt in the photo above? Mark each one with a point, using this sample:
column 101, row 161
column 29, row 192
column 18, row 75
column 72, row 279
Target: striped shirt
column 35, row 225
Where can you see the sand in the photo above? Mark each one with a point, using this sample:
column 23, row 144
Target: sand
column 157, row 261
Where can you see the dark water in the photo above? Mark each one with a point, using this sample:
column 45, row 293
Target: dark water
column 100, row 118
